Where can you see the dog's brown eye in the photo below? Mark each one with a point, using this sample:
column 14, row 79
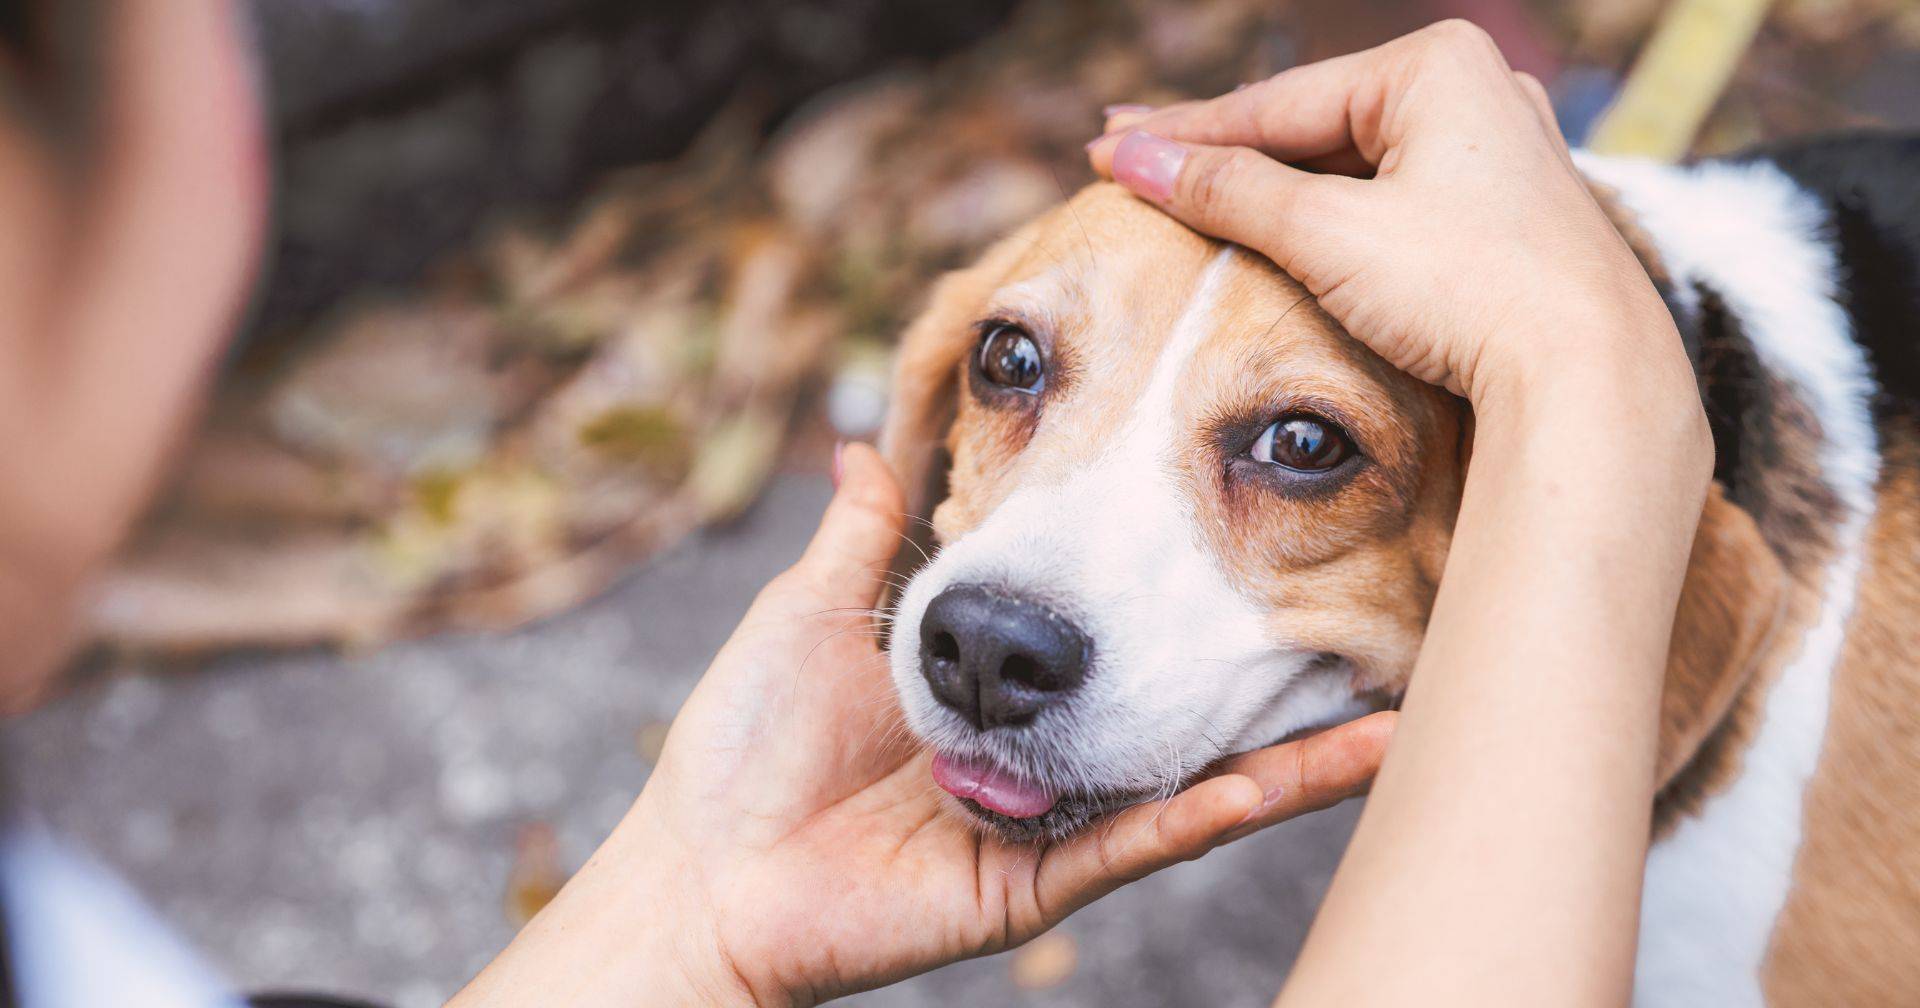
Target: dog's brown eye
column 1009, row 357
column 1305, row 443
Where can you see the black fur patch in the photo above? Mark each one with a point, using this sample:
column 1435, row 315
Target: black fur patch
column 1733, row 388
column 1870, row 185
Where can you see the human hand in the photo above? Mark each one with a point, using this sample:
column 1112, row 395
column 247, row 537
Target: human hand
column 124, row 260
column 1421, row 192
column 791, row 846
column 1435, row 212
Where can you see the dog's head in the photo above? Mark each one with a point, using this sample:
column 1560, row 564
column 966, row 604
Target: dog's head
column 1184, row 515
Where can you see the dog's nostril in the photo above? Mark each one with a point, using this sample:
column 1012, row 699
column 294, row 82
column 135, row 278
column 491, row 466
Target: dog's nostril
column 943, row 647
column 1019, row 668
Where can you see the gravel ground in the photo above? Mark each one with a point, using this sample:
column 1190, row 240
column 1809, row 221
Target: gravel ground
column 347, row 822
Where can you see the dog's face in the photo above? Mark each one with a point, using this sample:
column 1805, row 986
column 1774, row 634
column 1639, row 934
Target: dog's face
column 1186, row 515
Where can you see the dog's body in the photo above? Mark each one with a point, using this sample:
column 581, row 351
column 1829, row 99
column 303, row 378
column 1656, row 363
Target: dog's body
column 1186, row 516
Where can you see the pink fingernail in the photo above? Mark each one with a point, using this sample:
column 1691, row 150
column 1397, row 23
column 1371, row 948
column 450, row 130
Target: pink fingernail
column 1125, row 109
column 1148, row 164
column 1267, row 802
column 839, row 451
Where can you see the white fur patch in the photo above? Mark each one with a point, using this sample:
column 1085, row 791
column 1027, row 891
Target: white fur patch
column 1183, row 669
column 1715, row 886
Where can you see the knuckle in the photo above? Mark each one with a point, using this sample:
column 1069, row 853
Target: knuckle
column 1457, row 43
column 1300, row 777
column 1216, row 176
column 1459, row 35
column 1534, row 89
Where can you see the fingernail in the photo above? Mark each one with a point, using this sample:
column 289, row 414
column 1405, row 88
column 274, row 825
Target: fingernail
column 1267, row 802
column 1097, row 141
column 839, row 451
column 1148, row 164
column 1125, row 109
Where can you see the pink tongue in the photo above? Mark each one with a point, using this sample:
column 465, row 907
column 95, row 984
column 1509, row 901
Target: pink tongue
column 992, row 787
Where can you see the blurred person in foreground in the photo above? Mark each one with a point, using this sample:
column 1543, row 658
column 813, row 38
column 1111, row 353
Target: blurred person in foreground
column 790, row 848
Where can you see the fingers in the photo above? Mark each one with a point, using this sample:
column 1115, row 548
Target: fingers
column 804, row 671
column 1238, row 194
column 1334, row 109
column 1140, row 841
column 1299, row 114
column 1319, row 771
column 1123, row 118
column 846, row 563
column 1252, row 792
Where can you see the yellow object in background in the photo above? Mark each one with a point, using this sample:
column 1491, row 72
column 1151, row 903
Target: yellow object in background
column 1679, row 75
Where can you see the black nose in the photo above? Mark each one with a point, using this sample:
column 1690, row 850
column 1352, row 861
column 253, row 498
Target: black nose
column 998, row 660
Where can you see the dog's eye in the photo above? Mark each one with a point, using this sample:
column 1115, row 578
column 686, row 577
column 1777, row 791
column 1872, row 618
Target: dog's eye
column 1010, row 358
column 1304, row 443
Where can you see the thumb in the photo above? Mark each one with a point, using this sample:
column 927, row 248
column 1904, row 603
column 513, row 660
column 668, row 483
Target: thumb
column 1238, row 194
column 847, row 561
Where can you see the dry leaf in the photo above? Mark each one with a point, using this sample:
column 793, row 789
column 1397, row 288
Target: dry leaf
column 651, row 739
column 1046, row 961
column 536, row 876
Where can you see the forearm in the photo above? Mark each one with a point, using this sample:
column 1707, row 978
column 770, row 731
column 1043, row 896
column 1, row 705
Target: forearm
column 1500, row 856
column 617, row 936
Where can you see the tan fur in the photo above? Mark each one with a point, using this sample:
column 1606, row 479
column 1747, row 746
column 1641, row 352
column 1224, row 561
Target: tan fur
column 1736, row 597
column 1850, row 932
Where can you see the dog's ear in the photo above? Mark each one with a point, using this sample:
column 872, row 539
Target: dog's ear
column 926, row 378
column 1733, row 597
column 927, row 371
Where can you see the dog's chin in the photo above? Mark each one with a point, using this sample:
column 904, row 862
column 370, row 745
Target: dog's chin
column 1068, row 816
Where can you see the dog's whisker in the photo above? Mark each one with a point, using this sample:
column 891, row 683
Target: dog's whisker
column 1093, row 258
column 922, row 550
column 915, row 519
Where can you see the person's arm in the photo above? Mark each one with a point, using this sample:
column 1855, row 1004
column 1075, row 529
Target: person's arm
column 1500, row 855
column 1499, row 858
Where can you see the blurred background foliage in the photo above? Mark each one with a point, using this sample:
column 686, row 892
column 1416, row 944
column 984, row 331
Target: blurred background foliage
column 555, row 282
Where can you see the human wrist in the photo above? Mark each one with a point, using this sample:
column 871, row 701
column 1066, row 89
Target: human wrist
column 681, row 956
column 628, row 929
column 1616, row 387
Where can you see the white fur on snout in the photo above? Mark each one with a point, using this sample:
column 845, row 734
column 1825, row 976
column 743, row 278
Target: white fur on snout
column 1183, row 669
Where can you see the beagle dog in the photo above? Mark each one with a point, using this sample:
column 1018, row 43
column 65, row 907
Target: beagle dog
column 1181, row 514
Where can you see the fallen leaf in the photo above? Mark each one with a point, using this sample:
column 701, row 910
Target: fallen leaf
column 536, row 876
column 1046, row 961
column 651, row 739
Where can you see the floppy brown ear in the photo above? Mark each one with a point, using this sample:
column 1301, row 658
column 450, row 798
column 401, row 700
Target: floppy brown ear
column 1733, row 596
column 926, row 377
